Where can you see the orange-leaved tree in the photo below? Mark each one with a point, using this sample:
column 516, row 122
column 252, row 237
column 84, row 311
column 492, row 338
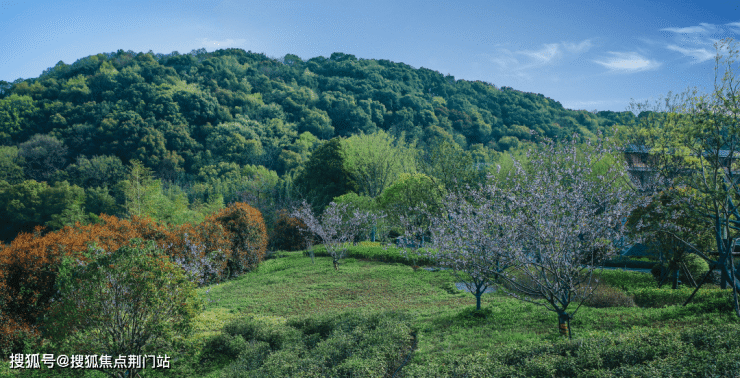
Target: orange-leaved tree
column 289, row 233
column 202, row 250
column 248, row 236
column 30, row 264
column 28, row 268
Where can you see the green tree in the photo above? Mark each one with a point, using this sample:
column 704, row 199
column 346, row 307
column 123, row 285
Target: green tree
column 21, row 206
column 133, row 301
column 448, row 165
column 143, row 193
column 97, row 171
column 377, row 160
column 42, row 155
column 346, row 116
column 98, row 201
column 16, row 114
column 377, row 226
column 235, row 142
column 75, row 89
column 692, row 143
column 325, row 175
column 410, row 200
column 11, row 165
column 64, row 205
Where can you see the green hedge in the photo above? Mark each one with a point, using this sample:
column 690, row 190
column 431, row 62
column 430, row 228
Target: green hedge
column 377, row 253
column 708, row 298
column 707, row 351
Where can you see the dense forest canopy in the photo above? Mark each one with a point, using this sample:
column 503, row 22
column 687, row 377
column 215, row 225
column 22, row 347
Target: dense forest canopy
column 228, row 124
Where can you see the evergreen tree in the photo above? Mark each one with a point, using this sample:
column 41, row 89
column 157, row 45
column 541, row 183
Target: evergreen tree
column 325, row 175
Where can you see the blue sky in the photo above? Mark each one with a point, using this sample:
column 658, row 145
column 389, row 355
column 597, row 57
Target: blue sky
column 592, row 55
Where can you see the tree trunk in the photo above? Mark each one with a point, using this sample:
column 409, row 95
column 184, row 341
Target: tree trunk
column 563, row 321
column 477, row 300
column 336, row 264
column 689, row 278
column 725, row 274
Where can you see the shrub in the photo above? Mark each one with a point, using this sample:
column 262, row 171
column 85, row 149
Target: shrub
column 625, row 280
column 347, row 345
column 251, row 358
column 224, row 346
column 715, row 277
column 288, row 234
column 244, row 327
column 658, row 271
column 133, row 301
column 696, row 265
column 608, row 296
column 276, row 335
column 247, row 233
column 705, row 300
column 29, row 265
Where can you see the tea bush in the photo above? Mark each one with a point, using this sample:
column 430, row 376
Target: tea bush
column 347, row 345
column 705, row 351
column 251, row 357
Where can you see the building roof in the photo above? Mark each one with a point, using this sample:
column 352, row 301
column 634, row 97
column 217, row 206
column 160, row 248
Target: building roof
column 642, row 149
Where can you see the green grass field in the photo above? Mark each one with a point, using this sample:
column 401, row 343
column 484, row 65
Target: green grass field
column 379, row 318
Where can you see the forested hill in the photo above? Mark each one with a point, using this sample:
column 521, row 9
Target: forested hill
column 196, row 117
column 156, row 107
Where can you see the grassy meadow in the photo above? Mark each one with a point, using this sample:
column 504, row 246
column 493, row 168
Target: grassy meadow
column 377, row 316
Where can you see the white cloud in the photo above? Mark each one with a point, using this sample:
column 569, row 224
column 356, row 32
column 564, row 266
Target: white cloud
column 578, row 48
column 701, row 55
column 205, row 42
column 521, row 64
column 590, row 104
column 628, row 62
column 734, row 27
column 688, row 29
column 504, row 59
column 544, row 55
column 703, row 28
column 549, row 54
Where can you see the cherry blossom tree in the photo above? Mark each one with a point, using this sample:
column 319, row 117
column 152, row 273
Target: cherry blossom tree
column 473, row 237
column 337, row 226
column 569, row 206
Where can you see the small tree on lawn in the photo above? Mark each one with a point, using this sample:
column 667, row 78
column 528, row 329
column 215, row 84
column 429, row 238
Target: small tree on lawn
column 568, row 215
column 133, row 301
column 338, row 225
column 473, row 237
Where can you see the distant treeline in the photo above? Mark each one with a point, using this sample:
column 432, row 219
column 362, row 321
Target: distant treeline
column 232, row 123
